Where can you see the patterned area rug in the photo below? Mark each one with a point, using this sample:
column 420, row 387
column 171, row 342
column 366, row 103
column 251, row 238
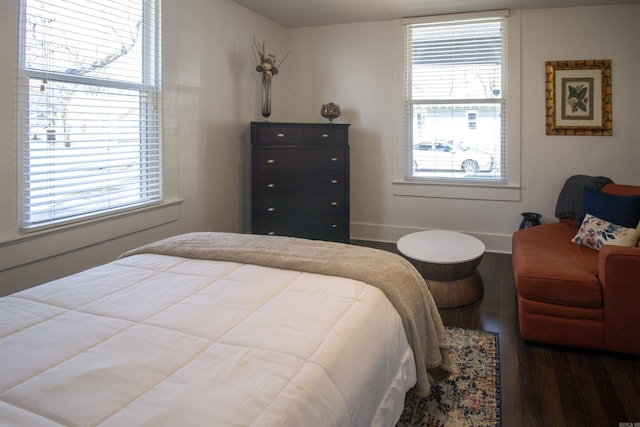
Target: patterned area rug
column 471, row 396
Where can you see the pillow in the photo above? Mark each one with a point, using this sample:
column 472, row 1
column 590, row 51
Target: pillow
column 621, row 210
column 595, row 233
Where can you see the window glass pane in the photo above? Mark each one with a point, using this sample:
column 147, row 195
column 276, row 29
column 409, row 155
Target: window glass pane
column 95, row 38
column 465, row 139
column 87, row 155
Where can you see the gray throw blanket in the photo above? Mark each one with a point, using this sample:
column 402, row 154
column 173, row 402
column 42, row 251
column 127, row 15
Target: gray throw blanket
column 569, row 204
column 392, row 274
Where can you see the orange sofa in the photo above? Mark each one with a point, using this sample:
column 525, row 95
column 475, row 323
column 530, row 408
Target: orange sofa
column 572, row 295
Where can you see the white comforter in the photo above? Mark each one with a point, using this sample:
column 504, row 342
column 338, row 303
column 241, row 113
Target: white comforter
column 162, row 340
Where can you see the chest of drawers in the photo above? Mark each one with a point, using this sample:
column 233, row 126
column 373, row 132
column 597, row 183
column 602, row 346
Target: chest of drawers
column 300, row 180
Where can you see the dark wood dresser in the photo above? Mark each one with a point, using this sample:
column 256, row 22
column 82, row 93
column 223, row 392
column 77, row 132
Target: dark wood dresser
column 300, row 180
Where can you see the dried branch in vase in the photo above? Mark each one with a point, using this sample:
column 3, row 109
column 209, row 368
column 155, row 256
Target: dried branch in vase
column 266, row 62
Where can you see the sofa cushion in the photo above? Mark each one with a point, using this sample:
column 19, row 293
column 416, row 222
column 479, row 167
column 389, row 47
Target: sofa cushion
column 549, row 267
column 596, row 232
column 557, row 310
column 615, row 208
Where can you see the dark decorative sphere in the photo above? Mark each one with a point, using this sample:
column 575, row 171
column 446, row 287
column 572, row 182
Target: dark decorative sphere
column 330, row 111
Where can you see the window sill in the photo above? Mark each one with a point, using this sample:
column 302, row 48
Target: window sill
column 449, row 190
column 44, row 244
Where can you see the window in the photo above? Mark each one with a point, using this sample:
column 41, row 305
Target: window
column 89, row 109
column 455, row 97
column 457, row 83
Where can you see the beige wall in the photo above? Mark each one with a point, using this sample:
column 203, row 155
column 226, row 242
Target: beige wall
column 348, row 64
column 212, row 93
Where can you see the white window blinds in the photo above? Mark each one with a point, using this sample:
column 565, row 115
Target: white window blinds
column 89, row 108
column 455, row 98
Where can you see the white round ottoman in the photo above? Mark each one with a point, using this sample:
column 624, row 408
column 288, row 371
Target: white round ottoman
column 448, row 260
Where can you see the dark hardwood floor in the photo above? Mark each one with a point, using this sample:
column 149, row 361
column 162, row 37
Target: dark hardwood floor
column 545, row 385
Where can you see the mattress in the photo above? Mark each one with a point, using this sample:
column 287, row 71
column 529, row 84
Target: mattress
column 154, row 339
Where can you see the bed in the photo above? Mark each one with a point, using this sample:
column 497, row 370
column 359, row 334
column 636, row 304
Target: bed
column 222, row 329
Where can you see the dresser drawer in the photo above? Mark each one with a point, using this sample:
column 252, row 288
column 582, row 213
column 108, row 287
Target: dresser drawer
column 278, row 134
column 324, row 135
column 283, row 205
column 332, row 228
column 299, row 160
column 302, row 184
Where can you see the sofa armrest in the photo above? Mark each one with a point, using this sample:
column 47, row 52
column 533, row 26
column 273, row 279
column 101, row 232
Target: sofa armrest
column 619, row 274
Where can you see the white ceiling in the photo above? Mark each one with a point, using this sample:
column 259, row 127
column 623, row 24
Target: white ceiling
column 304, row 13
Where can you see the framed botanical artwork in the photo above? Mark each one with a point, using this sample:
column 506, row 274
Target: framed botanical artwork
column 579, row 97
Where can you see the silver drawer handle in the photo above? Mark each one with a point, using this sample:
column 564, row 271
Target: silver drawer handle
column 271, row 209
column 271, row 161
column 334, row 226
column 325, row 135
column 334, row 203
column 334, row 181
column 271, row 185
column 280, row 134
column 334, row 159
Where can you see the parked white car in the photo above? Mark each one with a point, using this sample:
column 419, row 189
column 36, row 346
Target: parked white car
column 441, row 155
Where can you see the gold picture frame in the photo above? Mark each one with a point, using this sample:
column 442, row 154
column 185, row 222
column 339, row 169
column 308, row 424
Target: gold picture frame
column 579, row 97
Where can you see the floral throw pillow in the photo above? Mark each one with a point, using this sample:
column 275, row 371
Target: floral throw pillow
column 595, row 233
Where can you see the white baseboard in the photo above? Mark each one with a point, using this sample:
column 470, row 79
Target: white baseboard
column 497, row 243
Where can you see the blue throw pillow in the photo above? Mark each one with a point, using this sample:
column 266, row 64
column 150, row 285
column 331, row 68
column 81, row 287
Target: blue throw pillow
column 620, row 210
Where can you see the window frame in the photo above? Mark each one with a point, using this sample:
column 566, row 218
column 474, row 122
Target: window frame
column 149, row 90
column 405, row 185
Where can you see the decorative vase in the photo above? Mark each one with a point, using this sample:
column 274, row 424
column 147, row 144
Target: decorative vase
column 530, row 219
column 330, row 111
column 266, row 97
